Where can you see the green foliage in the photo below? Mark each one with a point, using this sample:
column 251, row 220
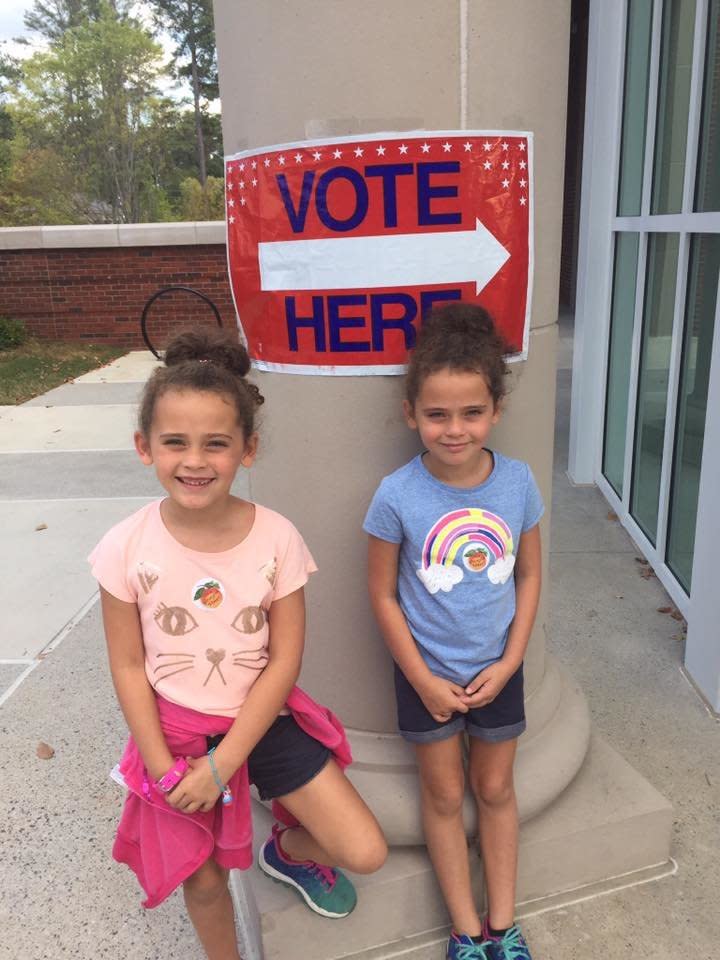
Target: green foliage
column 86, row 135
column 12, row 333
column 202, row 203
column 53, row 18
column 190, row 23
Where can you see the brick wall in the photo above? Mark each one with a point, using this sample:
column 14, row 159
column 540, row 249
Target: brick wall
column 99, row 293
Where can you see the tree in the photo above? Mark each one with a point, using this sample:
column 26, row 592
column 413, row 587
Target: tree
column 93, row 93
column 52, row 18
column 191, row 26
column 9, row 73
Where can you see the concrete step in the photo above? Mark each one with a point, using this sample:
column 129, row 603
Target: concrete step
column 608, row 830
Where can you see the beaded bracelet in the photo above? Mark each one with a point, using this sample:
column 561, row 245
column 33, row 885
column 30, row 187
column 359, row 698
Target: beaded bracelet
column 227, row 796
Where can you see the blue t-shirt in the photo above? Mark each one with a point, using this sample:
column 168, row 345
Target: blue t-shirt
column 458, row 544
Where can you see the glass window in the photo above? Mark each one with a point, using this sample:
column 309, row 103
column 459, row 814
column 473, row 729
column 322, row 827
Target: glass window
column 618, row 374
column 658, row 310
column 692, row 402
column 676, row 52
column 707, row 190
column 635, row 93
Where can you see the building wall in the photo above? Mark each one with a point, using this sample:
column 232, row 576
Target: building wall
column 98, row 292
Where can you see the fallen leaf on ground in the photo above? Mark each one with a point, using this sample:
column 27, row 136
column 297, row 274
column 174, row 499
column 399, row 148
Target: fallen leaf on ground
column 647, row 573
column 676, row 615
column 642, row 560
column 612, row 515
column 664, row 609
column 41, row 526
column 45, row 751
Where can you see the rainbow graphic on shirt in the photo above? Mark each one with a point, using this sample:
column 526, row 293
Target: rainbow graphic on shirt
column 480, row 539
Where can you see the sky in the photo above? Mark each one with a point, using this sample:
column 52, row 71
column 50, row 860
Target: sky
column 12, row 25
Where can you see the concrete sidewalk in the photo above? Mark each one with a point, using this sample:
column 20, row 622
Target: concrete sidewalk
column 66, row 468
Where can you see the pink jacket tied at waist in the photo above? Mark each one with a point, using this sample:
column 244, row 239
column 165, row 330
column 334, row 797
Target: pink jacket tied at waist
column 164, row 846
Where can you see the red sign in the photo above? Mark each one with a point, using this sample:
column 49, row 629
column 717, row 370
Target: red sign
column 337, row 248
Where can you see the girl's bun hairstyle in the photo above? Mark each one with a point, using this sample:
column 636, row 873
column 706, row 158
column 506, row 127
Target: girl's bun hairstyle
column 459, row 336
column 209, row 361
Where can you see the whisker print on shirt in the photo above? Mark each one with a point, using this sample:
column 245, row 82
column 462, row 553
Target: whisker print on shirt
column 175, row 621
column 256, row 659
column 185, row 662
column 483, row 537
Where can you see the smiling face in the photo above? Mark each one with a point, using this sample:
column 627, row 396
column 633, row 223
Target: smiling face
column 454, row 413
column 196, row 446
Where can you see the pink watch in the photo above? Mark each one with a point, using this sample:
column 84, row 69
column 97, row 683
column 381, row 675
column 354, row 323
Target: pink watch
column 174, row 775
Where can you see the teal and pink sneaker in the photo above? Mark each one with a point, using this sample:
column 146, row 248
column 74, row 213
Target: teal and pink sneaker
column 462, row 947
column 326, row 890
column 511, row 946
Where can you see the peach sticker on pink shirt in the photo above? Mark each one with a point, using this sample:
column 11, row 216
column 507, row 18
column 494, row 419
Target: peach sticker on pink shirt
column 208, row 594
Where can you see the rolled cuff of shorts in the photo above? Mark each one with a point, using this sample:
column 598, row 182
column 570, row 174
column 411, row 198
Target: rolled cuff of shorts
column 437, row 734
column 497, row 734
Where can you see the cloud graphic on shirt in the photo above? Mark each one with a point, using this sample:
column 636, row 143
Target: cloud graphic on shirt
column 437, row 577
column 500, row 571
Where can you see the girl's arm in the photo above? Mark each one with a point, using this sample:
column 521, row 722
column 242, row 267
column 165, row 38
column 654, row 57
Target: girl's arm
column 441, row 697
column 137, row 698
column 528, row 580
column 268, row 694
column 490, row 681
column 198, row 789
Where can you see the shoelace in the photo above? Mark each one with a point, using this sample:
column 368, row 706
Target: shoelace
column 473, row 951
column 326, row 875
column 514, row 946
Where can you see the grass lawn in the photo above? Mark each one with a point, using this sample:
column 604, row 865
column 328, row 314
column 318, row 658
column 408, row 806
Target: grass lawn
column 40, row 365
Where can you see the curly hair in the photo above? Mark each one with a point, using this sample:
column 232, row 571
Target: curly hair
column 459, row 336
column 209, row 360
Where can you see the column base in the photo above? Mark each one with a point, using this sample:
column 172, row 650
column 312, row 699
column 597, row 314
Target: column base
column 609, row 829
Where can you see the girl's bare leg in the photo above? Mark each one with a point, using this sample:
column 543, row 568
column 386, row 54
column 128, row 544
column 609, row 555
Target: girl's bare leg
column 209, row 905
column 491, row 779
column 442, row 788
column 337, row 828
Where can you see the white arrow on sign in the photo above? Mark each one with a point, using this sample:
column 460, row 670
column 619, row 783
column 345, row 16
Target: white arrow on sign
column 392, row 260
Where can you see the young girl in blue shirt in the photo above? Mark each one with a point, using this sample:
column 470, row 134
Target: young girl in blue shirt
column 454, row 576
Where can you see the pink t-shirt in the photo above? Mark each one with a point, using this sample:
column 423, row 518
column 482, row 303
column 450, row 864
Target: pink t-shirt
column 204, row 615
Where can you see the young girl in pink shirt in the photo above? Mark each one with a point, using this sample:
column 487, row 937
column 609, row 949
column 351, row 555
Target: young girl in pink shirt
column 202, row 599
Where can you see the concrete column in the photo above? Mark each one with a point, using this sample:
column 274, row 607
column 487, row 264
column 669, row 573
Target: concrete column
column 295, row 70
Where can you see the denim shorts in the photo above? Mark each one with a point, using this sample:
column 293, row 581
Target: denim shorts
column 285, row 758
column 503, row 719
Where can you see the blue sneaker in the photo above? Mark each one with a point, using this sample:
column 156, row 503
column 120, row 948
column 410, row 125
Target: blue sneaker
column 326, row 890
column 510, row 947
column 462, row 947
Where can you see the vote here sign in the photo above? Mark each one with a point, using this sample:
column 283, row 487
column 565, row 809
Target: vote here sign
column 338, row 247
